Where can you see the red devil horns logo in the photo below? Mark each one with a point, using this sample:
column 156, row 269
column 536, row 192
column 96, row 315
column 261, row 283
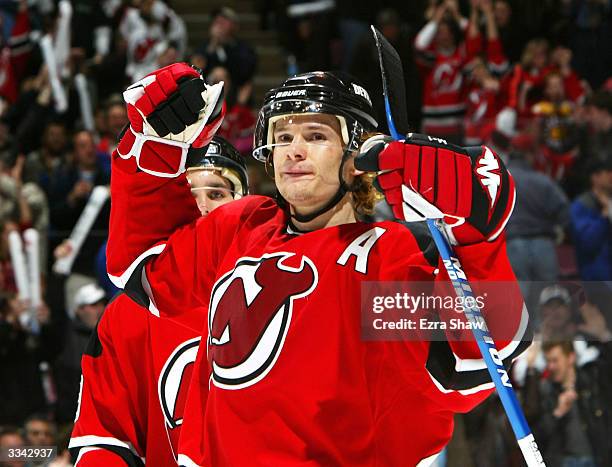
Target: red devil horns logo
column 249, row 314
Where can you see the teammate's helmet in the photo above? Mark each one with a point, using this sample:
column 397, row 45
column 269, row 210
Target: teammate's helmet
column 325, row 92
column 221, row 156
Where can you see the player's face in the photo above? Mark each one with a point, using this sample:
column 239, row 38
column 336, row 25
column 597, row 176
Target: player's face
column 306, row 159
column 210, row 190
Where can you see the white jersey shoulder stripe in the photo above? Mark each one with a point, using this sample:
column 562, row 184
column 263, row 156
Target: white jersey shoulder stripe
column 100, row 441
column 121, row 281
column 185, row 461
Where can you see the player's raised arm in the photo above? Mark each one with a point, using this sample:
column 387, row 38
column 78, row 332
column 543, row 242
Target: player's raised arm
column 172, row 114
column 424, row 177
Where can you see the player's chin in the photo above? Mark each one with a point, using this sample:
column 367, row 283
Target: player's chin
column 298, row 194
column 297, row 186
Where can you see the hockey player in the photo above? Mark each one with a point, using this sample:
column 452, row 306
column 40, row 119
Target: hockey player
column 137, row 367
column 282, row 376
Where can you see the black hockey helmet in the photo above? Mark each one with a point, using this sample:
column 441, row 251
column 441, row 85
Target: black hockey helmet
column 333, row 93
column 221, row 156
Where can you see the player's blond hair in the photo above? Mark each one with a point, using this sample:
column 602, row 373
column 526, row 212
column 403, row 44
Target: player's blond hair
column 365, row 197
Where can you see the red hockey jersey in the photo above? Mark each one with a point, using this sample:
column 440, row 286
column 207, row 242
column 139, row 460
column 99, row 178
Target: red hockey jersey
column 136, row 373
column 283, row 376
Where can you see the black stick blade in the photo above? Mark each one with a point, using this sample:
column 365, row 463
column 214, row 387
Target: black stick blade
column 394, row 87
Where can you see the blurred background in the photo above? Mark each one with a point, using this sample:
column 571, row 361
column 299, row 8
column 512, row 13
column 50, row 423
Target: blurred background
column 531, row 79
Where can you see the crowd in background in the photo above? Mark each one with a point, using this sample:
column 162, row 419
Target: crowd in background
column 531, row 79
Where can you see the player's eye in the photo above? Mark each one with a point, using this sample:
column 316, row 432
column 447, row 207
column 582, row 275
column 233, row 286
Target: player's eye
column 216, row 195
column 284, row 138
column 316, row 137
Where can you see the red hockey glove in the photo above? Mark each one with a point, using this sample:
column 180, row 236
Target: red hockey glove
column 170, row 110
column 426, row 178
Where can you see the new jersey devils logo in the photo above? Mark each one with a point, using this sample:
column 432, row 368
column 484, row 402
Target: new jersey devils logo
column 174, row 381
column 172, row 387
column 249, row 314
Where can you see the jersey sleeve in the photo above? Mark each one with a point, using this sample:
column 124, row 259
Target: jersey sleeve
column 160, row 251
column 110, row 423
column 145, row 211
column 455, row 364
column 96, row 456
column 452, row 361
column 158, row 245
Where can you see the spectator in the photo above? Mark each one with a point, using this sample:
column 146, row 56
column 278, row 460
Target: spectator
column 527, row 76
column 116, row 119
column 594, row 124
column 563, row 317
column 239, row 122
column 483, row 102
column 89, row 303
column 510, row 35
column 560, row 62
column 39, row 431
column 441, row 56
column 591, row 214
column 598, row 117
column 558, row 319
column 13, row 204
column 558, row 132
column 70, row 187
column 21, row 393
column 10, row 438
column 25, row 204
column 483, row 87
column 150, row 30
column 571, row 408
column 224, row 48
column 540, row 213
column 41, row 163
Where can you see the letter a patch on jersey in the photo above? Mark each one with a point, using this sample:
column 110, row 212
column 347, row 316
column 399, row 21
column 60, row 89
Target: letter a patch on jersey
column 249, row 314
column 360, row 248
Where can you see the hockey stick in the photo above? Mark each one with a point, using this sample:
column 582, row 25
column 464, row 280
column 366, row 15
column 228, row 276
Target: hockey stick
column 392, row 76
